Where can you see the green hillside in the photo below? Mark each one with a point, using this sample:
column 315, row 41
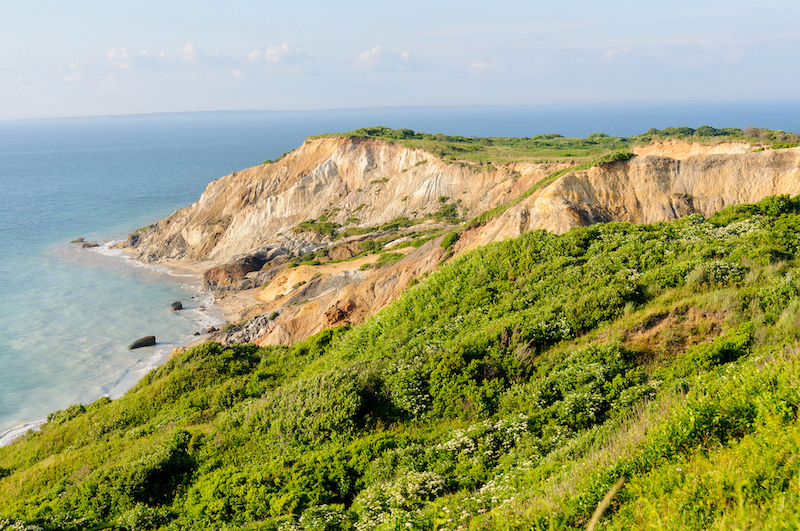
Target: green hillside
column 653, row 365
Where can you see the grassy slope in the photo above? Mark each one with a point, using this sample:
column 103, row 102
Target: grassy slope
column 509, row 390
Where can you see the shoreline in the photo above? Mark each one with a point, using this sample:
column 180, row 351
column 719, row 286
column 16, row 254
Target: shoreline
column 231, row 304
column 12, row 434
column 214, row 314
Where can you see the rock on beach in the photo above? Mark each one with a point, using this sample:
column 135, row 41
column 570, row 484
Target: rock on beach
column 146, row 341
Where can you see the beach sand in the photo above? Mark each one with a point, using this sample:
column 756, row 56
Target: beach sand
column 231, row 304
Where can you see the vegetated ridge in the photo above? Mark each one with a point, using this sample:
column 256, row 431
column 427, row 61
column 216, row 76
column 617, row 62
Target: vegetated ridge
column 333, row 231
column 514, row 387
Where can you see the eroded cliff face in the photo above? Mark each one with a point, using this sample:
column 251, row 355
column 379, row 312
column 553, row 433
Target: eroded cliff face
column 650, row 188
column 242, row 226
column 365, row 182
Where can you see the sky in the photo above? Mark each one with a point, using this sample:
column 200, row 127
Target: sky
column 63, row 58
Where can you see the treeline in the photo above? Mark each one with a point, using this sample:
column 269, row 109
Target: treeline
column 553, row 139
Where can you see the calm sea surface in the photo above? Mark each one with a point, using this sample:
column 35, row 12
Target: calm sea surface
column 67, row 314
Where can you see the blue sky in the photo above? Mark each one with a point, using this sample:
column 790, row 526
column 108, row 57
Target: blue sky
column 60, row 58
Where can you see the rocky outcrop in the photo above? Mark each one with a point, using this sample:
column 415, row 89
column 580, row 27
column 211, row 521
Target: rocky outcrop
column 338, row 312
column 235, row 270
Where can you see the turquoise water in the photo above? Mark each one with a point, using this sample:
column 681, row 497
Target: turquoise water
column 67, row 314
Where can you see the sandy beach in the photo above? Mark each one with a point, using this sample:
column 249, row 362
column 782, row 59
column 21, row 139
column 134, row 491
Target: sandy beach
column 230, row 304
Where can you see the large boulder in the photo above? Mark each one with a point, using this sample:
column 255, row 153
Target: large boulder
column 175, row 306
column 226, row 274
column 146, row 341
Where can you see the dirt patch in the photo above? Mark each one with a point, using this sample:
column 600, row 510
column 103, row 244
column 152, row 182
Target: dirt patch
column 665, row 334
column 234, row 304
column 293, row 278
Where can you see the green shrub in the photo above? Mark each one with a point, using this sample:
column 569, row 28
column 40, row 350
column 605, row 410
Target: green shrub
column 449, row 239
column 723, row 349
column 509, row 390
column 387, row 259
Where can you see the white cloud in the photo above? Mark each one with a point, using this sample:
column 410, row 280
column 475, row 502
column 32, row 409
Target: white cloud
column 193, row 59
column 72, row 77
column 18, row 79
column 118, row 53
column 372, row 58
column 380, row 58
column 160, row 55
column 283, row 54
column 189, row 52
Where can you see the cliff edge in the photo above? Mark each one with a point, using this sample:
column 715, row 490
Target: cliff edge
column 335, row 230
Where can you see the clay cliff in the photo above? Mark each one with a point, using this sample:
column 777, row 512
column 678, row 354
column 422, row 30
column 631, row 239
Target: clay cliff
column 365, row 181
column 254, row 230
column 665, row 181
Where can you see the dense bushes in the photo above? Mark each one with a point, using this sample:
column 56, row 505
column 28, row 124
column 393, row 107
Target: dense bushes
column 508, row 390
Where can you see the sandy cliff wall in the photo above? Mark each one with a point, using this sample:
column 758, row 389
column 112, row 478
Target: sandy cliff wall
column 652, row 187
column 373, row 181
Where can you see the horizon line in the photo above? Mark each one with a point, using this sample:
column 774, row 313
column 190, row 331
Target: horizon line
column 403, row 107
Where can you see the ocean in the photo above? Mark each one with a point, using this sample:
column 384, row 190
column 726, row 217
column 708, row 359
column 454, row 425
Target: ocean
column 67, row 314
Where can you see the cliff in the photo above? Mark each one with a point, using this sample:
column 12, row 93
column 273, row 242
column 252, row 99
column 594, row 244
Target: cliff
column 254, row 230
column 358, row 183
column 666, row 181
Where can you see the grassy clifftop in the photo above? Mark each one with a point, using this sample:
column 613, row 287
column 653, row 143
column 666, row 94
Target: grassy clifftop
column 509, row 390
column 550, row 147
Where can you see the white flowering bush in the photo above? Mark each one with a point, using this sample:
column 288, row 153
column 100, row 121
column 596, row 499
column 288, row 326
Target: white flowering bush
column 579, row 392
column 542, row 333
column 499, row 492
column 383, row 505
column 142, row 516
column 407, row 381
column 15, row 525
column 486, row 439
column 695, row 228
column 397, row 461
column 716, row 272
column 322, row 518
column 582, row 406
